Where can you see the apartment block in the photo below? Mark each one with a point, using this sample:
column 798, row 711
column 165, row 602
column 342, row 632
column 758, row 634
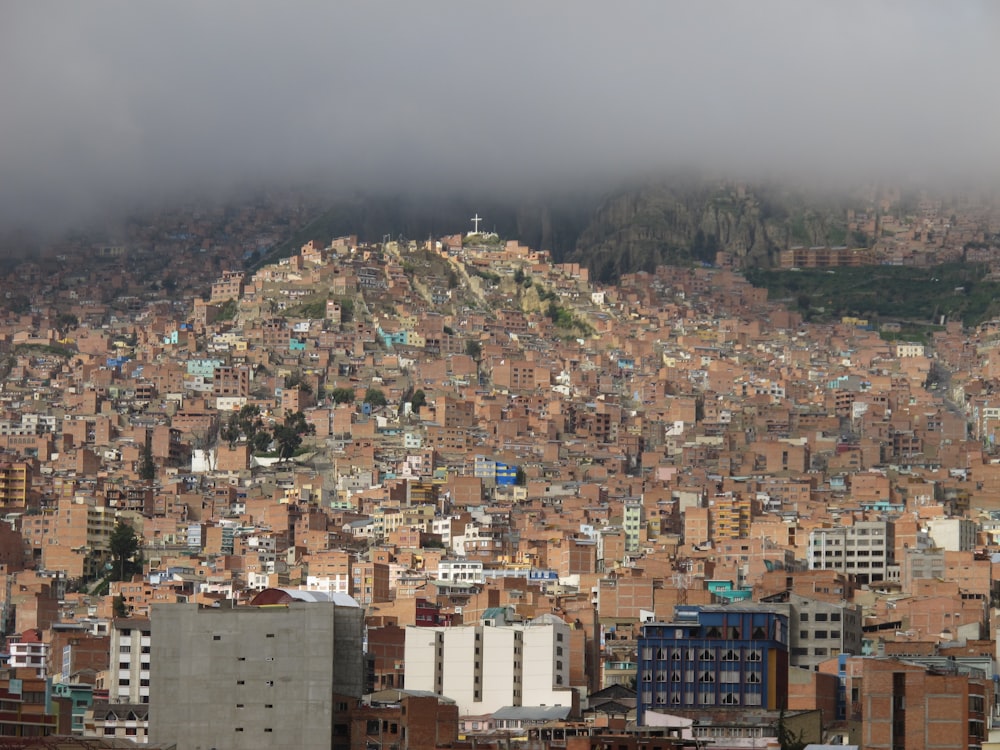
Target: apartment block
column 256, row 676
column 864, row 550
column 484, row 668
column 713, row 656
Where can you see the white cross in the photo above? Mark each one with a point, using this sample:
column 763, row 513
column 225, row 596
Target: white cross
column 475, row 221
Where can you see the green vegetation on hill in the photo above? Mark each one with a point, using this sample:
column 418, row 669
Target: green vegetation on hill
column 956, row 290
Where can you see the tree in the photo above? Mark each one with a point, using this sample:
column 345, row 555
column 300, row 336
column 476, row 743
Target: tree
column 288, row 435
column 375, row 397
column 118, row 606
column 474, row 349
column 786, row 738
column 342, row 395
column 230, row 431
column 418, row 400
column 124, row 546
column 147, row 466
column 67, row 320
column 260, row 441
column 296, row 380
column 287, row 441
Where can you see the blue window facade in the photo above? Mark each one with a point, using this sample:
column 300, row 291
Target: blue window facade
column 720, row 657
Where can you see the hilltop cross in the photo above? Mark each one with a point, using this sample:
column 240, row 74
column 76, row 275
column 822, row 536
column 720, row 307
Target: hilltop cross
column 475, row 222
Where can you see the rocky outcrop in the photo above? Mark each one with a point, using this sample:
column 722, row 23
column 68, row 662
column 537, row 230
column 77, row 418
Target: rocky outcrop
column 659, row 224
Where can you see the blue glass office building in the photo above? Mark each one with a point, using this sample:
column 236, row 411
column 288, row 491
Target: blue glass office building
column 714, row 657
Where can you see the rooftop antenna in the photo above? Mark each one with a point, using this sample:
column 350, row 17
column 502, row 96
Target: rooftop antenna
column 682, row 579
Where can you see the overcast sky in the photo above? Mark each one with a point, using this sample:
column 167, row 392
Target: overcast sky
column 101, row 102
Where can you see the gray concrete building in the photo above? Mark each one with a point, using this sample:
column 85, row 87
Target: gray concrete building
column 820, row 629
column 255, row 676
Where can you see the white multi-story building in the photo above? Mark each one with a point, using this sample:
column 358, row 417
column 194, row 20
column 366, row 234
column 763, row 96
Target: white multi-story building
column 484, row 668
column 460, row 570
column 129, row 663
column 635, row 518
column 27, row 651
column 865, row 550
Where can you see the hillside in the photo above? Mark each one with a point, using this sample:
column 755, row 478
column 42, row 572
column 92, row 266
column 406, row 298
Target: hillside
column 956, row 291
column 628, row 228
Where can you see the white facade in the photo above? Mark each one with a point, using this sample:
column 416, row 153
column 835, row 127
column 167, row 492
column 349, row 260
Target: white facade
column 130, row 660
column 906, row 349
column 953, row 534
column 485, row 668
column 460, row 570
column 335, row 584
column 635, row 518
column 864, row 550
column 30, row 654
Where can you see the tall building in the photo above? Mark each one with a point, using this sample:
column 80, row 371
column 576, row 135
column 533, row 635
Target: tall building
column 273, row 674
column 484, row 668
column 633, row 521
column 15, row 484
column 714, row 656
column 865, row 549
column 130, row 659
column 820, row 629
column 905, row 706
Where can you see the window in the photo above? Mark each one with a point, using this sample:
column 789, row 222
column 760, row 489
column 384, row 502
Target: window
column 821, row 617
column 835, row 617
column 240, row 705
column 269, row 635
column 219, row 638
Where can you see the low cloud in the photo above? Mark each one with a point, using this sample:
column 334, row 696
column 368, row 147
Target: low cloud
column 107, row 103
